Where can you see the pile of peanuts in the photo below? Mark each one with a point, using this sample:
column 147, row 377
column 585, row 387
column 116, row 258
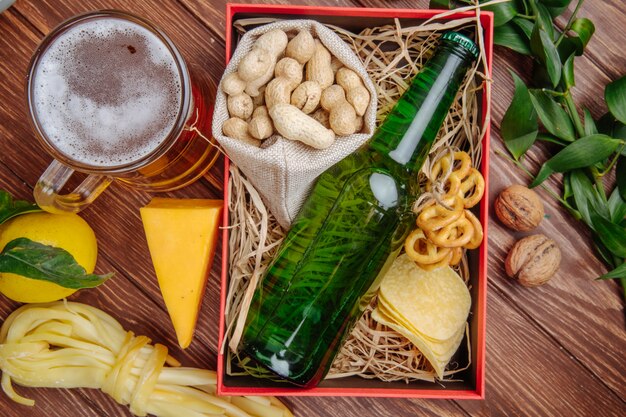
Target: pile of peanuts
column 443, row 232
column 267, row 94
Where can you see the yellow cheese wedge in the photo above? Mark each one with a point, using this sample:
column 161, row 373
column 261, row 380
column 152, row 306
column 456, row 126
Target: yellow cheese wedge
column 182, row 235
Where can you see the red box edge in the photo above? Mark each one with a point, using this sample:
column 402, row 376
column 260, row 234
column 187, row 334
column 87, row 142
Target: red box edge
column 479, row 392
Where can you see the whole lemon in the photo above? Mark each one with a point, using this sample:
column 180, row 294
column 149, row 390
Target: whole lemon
column 66, row 231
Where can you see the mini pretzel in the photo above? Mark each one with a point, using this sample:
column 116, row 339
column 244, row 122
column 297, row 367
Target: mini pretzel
column 443, row 164
column 454, row 235
column 457, row 254
column 472, row 188
column 422, row 251
column 477, row 238
column 452, row 186
column 429, row 267
column 437, row 216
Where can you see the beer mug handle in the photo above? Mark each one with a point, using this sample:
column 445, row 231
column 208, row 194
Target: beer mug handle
column 52, row 181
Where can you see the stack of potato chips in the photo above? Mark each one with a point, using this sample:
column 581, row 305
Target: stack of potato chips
column 428, row 308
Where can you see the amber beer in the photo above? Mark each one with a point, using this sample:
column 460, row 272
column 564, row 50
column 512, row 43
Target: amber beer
column 110, row 95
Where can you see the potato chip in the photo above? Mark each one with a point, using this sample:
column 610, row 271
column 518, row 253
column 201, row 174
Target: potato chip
column 429, row 349
column 429, row 308
column 440, row 349
column 434, row 303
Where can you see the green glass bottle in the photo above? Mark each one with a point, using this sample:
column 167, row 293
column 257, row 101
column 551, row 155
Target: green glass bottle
column 350, row 229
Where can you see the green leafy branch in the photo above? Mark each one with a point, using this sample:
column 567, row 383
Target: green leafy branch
column 10, row 208
column 584, row 150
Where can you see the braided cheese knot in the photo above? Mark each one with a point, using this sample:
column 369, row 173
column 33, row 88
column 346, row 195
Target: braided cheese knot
column 72, row 345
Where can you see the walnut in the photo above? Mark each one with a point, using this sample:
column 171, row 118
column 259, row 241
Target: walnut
column 533, row 260
column 519, row 208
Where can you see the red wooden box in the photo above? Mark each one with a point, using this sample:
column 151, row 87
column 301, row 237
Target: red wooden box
column 473, row 381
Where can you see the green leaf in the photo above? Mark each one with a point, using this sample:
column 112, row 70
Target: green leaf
column 552, row 115
column 567, row 186
column 511, row 36
column 617, row 206
column 576, row 43
column 605, row 254
column 583, row 29
column 613, row 236
column 34, row 260
column 543, row 48
column 546, row 137
column 619, row 272
column 558, row 9
column 10, row 208
column 620, row 175
column 555, row 3
column 502, row 12
column 441, row 4
column 545, row 21
column 525, row 25
column 540, row 78
column 566, row 48
column 568, row 72
column 581, row 153
column 612, row 127
column 615, row 96
column 519, row 125
column 585, row 196
column 590, row 124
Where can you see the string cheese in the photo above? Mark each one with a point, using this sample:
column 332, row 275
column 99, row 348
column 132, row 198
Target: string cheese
column 73, row 345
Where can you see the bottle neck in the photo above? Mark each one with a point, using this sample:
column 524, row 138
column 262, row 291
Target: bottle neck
column 409, row 130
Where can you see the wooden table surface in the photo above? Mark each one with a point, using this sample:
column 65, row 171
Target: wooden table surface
column 557, row 350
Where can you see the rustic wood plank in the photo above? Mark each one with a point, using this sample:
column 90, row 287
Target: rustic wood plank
column 72, row 400
column 118, row 297
column 129, row 292
column 606, row 47
column 361, row 407
column 582, row 314
column 117, row 208
column 528, row 374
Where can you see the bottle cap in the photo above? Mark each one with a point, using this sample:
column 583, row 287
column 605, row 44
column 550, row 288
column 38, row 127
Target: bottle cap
column 462, row 40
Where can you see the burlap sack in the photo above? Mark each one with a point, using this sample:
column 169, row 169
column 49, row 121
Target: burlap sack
column 284, row 171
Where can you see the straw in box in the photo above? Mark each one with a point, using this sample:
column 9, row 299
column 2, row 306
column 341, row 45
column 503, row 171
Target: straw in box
column 372, row 350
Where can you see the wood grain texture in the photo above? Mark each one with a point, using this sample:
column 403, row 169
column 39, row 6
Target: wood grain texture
column 551, row 351
column 532, row 370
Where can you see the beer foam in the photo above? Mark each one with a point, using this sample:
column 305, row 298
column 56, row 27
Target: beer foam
column 106, row 92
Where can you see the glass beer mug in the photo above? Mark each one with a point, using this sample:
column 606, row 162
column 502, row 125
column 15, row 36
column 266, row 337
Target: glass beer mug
column 110, row 96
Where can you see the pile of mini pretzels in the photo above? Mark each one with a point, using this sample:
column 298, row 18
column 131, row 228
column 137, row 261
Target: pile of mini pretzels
column 445, row 229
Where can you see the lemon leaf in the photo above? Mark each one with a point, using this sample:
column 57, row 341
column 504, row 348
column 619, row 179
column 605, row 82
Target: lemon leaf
column 10, row 208
column 35, row 260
